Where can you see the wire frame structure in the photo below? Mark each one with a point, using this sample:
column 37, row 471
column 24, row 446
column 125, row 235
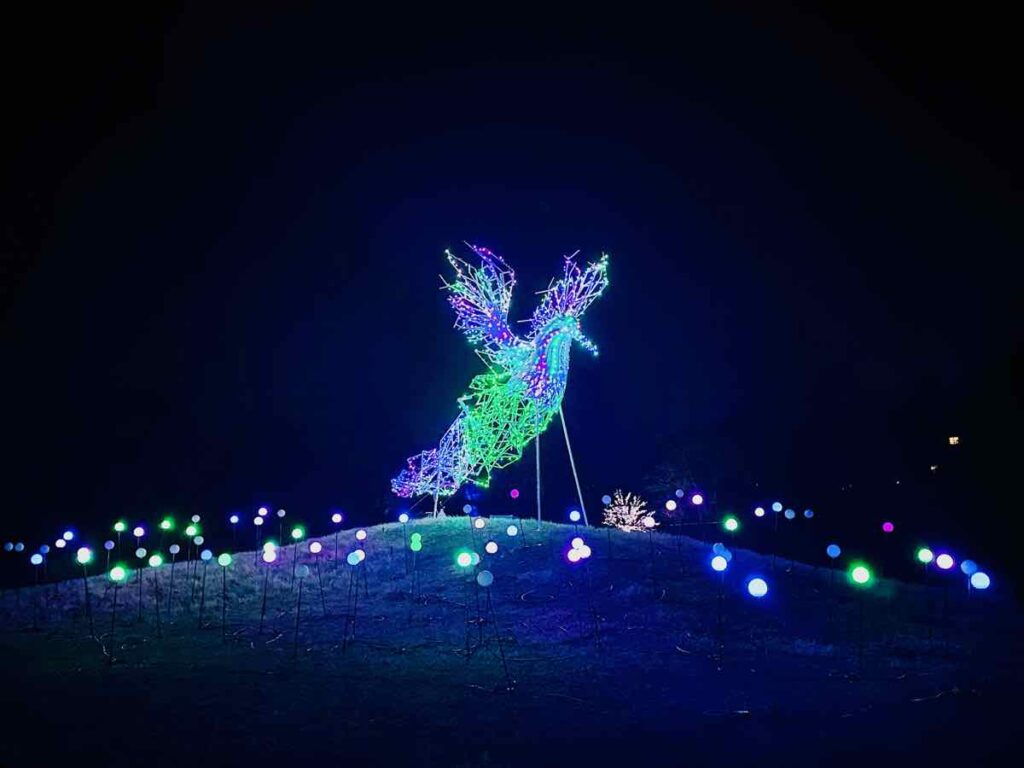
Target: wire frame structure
column 515, row 399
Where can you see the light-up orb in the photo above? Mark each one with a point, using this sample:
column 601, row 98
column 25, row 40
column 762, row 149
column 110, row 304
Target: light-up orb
column 191, row 531
column 155, row 561
column 491, row 547
column 118, row 574
column 467, row 508
column 166, row 524
column 577, row 542
column 59, row 544
column 257, row 521
column 8, row 546
column 512, row 531
column 968, row 567
column 888, row 527
column 36, row 559
column 474, row 558
column 262, row 511
column 108, row 545
column 671, row 505
column 606, row 499
column 680, row 493
column 196, row 518
column 206, row 555
column 718, row 548
column 403, row 518
column 464, row 559
column 360, row 535
column 270, row 544
column 45, row 549
column 808, row 513
column 573, row 555
column 415, row 545
column 574, row 516
column 925, row 555
column 790, row 514
column 233, row 519
column 353, row 559
column 336, row 518
column 719, row 563
column 648, row 522
column 120, row 526
column 302, row 571
column 19, row 547
column 833, row 551
column 697, row 499
column 514, row 493
column 485, row 578
column 315, row 547
column 174, row 549
column 980, row 580
column 585, row 551
column 198, row 541
column 83, row 556
column 777, row 506
column 281, row 513
column 270, row 554
column 68, row 535
column 860, row 574
column 945, row 561
column 758, row 511
column 479, row 522
column 138, row 532
column 224, row 560
column 757, row 587
column 731, row 524
column 298, row 532
column 140, row 553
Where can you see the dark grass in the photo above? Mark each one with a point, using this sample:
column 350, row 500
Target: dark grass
column 612, row 661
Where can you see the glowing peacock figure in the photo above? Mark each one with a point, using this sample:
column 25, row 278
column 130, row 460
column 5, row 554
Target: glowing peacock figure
column 522, row 390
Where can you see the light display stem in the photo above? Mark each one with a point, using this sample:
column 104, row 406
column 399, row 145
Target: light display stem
column 202, row 595
column 113, row 625
column 88, row 600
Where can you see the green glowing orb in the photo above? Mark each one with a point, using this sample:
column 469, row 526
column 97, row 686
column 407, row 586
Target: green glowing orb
column 224, row 560
column 118, row 574
column 464, row 559
column 731, row 524
column 860, row 574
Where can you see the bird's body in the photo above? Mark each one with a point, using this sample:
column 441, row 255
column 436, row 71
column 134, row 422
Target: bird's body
column 515, row 400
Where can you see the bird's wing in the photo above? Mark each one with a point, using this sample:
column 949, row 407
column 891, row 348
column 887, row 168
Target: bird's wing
column 480, row 296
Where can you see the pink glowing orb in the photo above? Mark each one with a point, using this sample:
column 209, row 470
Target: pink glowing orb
column 514, row 493
column 888, row 527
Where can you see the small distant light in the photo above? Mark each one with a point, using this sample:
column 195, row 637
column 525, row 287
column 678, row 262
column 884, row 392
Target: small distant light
column 790, row 514
column 464, row 559
column 298, row 532
column 19, row 547
column 257, row 521
column 512, row 531
column 808, row 513
column 174, row 549
column 933, row 467
column 945, row 561
column 59, row 544
column 969, row 567
column 719, row 563
column 606, row 499
column 140, row 553
column 671, row 505
column 281, row 513
column 45, row 549
column 833, row 551
column 196, row 518
column 573, row 555
column 118, row 574
column 479, row 523
column 757, row 587
column 777, row 506
column 731, row 524
column 224, row 560
column 68, row 535
column 888, row 527
column 860, row 574
column 980, row 580
column 9, row 546
column 360, row 535
column 680, row 493
column 315, row 547
column 83, row 555
column 120, row 526
column 954, row 440
column 574, row 516
column 485, row 578
column 697, row 499
column 138, row 532
column 491, row 547
column 233, row 519
column 155, row 561
column 403, row 518
column 648, row 522
column 336, row 518
column 270, row 555
column 467, row 508
column 206, row 555
column 514, row 493
column 262, row 511
column 925, row 555
column 758, row 511
column 36, row 559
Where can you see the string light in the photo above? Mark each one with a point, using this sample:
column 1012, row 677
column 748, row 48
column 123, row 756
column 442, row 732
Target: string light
column 627, row 512
column 517, row 398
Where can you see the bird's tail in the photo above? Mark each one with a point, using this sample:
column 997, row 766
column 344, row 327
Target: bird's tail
column 440, row 471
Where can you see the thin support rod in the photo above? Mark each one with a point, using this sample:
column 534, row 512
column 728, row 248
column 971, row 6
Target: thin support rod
column 572, row 463
column 536, row 452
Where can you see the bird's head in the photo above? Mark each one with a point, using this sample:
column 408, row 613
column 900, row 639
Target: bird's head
column 567, row 299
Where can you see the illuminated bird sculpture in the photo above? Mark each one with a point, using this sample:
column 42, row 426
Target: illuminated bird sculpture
column 515, row 400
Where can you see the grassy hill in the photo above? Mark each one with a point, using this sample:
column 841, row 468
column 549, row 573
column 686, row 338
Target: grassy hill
column 639, row 653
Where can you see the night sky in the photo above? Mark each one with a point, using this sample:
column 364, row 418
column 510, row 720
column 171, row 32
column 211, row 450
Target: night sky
column 222, row 238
